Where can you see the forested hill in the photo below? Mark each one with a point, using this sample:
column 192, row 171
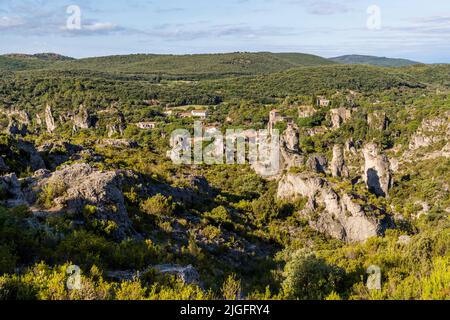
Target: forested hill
column 187, row 67
column 21, row 62
column 374, row 61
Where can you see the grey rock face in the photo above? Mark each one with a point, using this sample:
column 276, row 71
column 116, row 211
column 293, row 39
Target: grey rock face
column 82, row 120
column 377, row 172
column 339, row 116
column 15, row 128
column 57, row 153
column 34, row 158
column 119, row 143
column 117, row 126
column 290, row 148
column 338, row 167
column 431, row 131
column 80, row 185
column 188, row 274
column 11, row 191
column 290, row 138
column 317, row 163
column 339, row 216
column 49, row 119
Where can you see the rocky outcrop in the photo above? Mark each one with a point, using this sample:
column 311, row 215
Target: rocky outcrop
column 82, row 120
column 119, row 143
column 290, row 138
column 16, row 128
column 11, row 192
column 57, row 153
column 290, row 148
column 49, row 119
column 338, row 167
column 74, row 187
column 187, row 274
column 306, row 111
column 336, row 215
column 33, row 158
column 377, row 172
column 431, row 131
column 340, row 116
column 350, row 146
column 117, row 125
column 317, row 163
column 377, row 120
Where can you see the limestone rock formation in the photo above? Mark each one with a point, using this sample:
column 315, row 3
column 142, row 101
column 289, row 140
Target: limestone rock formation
column 377, row 172
column 431, row 131
column 117, row 125
column 317, row 163
column 340, row 116
column 290, row 148
column 49, row 119
column 338, row 167
column 290, row 138
column 82, row 120
column 10, row 188
column 33, row 159
column 57, row 153
column 119, row 143
column 16, row 128
column 306, row 111
column 74, row 187
column 336, row 215
column 187, row 275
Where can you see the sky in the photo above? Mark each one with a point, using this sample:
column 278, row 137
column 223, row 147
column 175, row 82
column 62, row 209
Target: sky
column 413, row 29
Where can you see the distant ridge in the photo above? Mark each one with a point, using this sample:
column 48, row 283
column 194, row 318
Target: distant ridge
column 374, row 61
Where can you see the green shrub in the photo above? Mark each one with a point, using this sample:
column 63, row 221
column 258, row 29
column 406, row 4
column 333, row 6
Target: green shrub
column 158, row 205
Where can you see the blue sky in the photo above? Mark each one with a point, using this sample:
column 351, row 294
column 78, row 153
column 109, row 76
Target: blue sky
column 414, row 29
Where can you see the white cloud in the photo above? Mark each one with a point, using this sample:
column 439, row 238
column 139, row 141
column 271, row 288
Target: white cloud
column 101, row 26
column 10, row 22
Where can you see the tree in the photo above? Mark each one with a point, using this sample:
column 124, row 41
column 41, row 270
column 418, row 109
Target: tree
column 310, row 278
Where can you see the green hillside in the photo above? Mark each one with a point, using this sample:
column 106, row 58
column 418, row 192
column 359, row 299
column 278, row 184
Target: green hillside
column 373, row 61
column 195, row 66
column 20, row 62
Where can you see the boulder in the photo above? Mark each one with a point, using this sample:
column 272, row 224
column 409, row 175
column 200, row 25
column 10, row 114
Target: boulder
column 80, row 185
column 11, row 192
column 116, row 125
column 188, row 274
column 340, row 116
column 34, row 161
column 119, row 143
column 431, row 131
column 377, row 172
column 49, row 119
column 338, row 167
column 82, row 120
column 339, row 216
column 317, row 163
